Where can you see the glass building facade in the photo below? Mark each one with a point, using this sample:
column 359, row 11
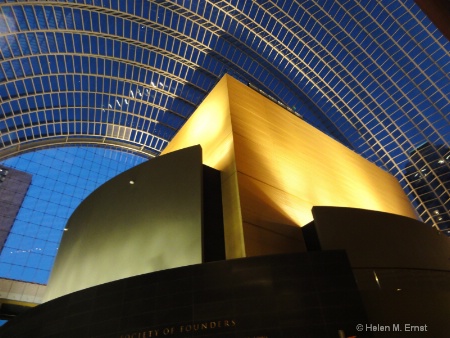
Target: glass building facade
column 90, row 88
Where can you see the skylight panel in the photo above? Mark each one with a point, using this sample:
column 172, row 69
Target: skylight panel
column 4, row 46
column 51, row 21
column 30, row 17
column 21, row 19
column 14, row 45
column 41, row 18
column 17, row 68
column 11, row 24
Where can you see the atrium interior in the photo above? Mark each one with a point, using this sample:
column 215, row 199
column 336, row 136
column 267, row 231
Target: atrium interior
column 91, row 88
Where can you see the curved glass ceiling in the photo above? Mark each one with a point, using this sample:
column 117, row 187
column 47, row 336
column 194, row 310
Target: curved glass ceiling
column 372, row 74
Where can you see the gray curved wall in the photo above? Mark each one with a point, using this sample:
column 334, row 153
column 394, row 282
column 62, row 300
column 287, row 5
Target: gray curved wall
column 379, row 239
column 402, row 267
column 124, row 229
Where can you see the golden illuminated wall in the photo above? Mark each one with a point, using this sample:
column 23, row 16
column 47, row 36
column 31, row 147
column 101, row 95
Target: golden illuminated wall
column 275, row 168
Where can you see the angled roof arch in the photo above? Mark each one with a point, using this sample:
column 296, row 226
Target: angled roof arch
column 375, row 75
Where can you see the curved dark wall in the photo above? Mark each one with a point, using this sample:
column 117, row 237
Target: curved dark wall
column 125, row 229
column 402, row 267
column 380, row 239
column 298, row 295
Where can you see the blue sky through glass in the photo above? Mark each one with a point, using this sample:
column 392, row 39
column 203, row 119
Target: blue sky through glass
column 62, row 178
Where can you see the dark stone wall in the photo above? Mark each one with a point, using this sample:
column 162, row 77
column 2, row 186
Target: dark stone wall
column 295, row 295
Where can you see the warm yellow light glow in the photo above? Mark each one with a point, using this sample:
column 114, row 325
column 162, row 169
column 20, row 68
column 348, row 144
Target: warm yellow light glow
column 275, row 167
column 376, row 279
column 302, row 166
column 210, row 126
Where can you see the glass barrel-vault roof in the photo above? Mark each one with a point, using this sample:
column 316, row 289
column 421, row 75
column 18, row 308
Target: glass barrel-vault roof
column 375, row 75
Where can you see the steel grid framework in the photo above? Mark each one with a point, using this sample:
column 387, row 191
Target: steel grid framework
column 374, row 75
